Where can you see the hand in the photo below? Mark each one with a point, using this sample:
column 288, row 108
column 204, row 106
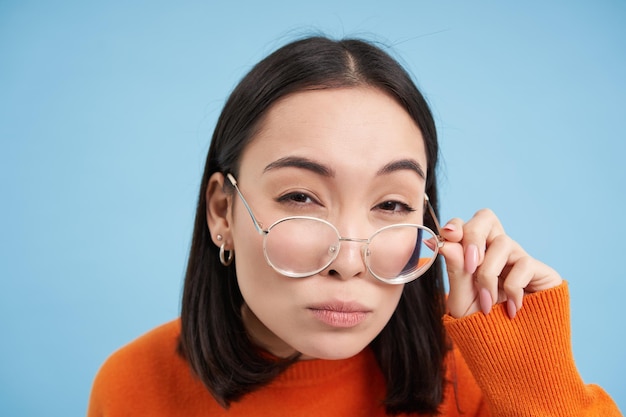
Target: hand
column 485, row 266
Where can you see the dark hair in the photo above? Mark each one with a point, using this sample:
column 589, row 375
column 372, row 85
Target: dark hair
column 411, row 349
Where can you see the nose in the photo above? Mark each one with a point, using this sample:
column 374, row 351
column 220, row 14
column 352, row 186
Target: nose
column 350, row 261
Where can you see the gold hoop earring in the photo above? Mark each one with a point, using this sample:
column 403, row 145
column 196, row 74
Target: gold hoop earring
column 226, row 260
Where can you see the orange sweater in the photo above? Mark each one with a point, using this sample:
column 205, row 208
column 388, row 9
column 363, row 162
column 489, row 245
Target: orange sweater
column 520, row 367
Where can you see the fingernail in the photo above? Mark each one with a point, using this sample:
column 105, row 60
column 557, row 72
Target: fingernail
column 449, row 227
column 485, row 301
column 471, row 259
column 511, row 308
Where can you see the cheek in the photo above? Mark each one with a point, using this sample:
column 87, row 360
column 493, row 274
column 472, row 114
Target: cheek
column 389, row 302
column 253, row 273
column 259, row 283
column 247, row 244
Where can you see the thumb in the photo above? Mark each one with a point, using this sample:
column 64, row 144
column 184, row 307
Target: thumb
column 462, row 299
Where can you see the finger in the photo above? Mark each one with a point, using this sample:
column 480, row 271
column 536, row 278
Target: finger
column 478, row 232
column 452, row 250
column 462, row 297
column 542, row 277
column 453, row 255
column 517, row 279
column 462, row 291
column 527, row 275
column 502, row 251
column 453, row 230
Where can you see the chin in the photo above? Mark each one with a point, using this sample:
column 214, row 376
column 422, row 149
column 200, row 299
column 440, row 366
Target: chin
column 332, row 350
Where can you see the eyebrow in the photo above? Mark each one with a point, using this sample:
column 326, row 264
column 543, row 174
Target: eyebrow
column 403, row 164
column 303, row 163
column 326, row 171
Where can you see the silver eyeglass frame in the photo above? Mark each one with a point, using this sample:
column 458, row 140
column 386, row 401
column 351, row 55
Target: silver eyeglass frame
column 399, row 280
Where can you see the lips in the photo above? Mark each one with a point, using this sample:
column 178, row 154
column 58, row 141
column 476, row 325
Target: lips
column 340, row 314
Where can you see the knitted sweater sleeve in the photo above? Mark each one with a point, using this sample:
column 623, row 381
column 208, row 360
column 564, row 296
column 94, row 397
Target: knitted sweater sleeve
column 525, row 366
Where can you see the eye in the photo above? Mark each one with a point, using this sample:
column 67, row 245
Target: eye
column 296, row 198
column 395, row 207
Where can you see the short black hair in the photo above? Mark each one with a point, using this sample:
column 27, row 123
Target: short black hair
column 412, row 347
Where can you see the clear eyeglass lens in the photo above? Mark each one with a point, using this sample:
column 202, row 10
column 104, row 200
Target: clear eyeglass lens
column 401, row 253
column 300, row 247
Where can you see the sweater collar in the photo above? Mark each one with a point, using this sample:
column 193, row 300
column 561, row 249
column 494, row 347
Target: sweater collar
column 320, row 370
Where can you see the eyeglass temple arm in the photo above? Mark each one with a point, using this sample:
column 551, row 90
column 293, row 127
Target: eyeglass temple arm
column 431, row 210
column 257, row 226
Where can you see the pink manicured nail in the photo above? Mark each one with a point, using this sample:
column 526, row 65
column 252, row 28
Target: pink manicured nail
column 511, row 308
column 471, row 259
column 449, row 227
column 485, row 301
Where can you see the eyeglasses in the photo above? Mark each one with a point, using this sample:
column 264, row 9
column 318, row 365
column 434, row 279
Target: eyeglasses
column 302, row 246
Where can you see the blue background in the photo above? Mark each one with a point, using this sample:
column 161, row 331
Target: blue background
column 106, row 111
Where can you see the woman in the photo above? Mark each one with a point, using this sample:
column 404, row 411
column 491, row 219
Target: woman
column 313, row 285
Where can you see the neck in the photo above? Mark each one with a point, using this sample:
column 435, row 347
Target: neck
column 263, row 337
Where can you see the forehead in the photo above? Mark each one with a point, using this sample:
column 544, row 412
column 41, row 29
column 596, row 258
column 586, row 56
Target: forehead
column 347, row 129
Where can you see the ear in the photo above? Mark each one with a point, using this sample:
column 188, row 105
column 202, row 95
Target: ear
column 218, row 210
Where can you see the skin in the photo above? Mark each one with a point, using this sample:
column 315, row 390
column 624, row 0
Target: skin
column 308, row 158
column 485, row 266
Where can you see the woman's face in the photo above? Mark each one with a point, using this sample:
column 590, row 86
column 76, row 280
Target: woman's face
column 355, row 158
